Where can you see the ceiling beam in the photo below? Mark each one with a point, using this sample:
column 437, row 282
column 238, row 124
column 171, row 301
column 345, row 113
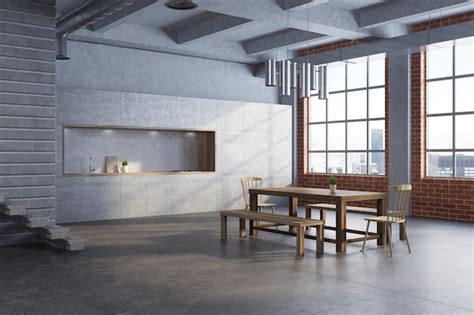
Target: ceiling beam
column 323, row 19
column 399, row 10
column 112, row 20
column 401, row 45
column 299, row 4
column 278, row 40
column 208, row 27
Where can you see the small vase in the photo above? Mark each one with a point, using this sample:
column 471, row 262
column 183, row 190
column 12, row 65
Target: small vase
column 124, row 169
column 332, row 188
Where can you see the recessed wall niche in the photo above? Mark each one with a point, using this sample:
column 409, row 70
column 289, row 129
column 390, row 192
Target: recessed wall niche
column 146, row 150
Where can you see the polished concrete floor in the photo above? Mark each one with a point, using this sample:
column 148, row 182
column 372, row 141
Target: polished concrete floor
column 178, row 265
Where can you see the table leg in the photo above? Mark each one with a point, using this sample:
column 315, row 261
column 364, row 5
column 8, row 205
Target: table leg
column 381, row 226
column 341, row 226
column 293, row 211
column 253, row 207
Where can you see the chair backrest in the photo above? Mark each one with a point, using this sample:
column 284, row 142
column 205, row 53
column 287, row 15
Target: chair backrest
column 249, row 182
column 399, row 199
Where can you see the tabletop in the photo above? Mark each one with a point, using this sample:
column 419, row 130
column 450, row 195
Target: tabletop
column 305, row 192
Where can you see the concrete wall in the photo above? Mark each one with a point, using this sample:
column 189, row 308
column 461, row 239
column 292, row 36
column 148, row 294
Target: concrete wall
column 145, row 150
column 27, row 103
column 102, row 67
column 251, row 139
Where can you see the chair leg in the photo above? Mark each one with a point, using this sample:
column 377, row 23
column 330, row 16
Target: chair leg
column 223, row 227
column 406, row 236
column 322, row 215
column 389, row 235
column 366, row 235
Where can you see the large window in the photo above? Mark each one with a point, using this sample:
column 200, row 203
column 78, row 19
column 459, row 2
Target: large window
column 450, row 111
column 347, row 131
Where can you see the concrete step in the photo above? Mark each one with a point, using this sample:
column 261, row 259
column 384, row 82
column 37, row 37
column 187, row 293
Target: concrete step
column 53, row 232
column 70, row 243
column 9, row 227
column 8, row 208
column 37, row 219
column 20, row 238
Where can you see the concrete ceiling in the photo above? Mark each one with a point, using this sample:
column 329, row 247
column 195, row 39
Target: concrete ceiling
column 250, row 31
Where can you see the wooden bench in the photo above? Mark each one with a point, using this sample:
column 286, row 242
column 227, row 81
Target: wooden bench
column 299, row 223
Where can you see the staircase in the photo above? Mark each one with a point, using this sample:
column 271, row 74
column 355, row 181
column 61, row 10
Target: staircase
column 21, row 226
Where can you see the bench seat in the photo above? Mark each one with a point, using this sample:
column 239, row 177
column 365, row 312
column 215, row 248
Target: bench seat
column 299, row 223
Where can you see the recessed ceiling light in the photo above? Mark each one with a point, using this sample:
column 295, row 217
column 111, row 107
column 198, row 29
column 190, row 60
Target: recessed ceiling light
column 181, row 4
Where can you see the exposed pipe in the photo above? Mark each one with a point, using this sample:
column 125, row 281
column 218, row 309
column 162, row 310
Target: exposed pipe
column 83, row 16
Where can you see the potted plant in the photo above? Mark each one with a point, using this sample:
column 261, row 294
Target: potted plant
column 332, row 182
column 124, row 166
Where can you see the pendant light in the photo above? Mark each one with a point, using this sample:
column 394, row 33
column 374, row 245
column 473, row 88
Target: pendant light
column 285, row 75
column 314, row 76
column 306, row 80
column 322, row 82
column 270, row 72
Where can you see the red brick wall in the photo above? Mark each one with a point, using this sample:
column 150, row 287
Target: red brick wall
column 432, row 197
column 353, row 182
column 447, row 198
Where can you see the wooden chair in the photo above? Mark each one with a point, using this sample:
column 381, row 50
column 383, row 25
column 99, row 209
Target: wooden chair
column 399, row 198
column 250, row 182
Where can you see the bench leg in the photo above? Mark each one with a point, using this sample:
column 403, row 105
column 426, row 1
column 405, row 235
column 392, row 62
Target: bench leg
column 242, row 228
column 223, row 227
column 320, row 239
column 300, row 242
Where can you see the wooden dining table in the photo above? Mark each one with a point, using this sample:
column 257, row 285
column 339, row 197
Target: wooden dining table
column 340, row 198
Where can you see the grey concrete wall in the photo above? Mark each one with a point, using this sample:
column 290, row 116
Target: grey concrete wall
column 145, row 150
column 251, row 139
column 27, row 103
column 102, row 67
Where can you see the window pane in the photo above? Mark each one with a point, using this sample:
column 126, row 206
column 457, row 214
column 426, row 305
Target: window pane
column 317, row 109
column 440, row 164
column 440, row 63
column 317, row 137
column 377, row 72
column 377, row 163
column 440, row 97
column 357, row 135
column 336, row 78
column 440, row 132
column 337, row 136
column 356, row 75
column 357, row 163
column 336, row 163
column 464, row 59
column 464, row 132
column 377, row 103
column 377, row 135
column 465, row 164
column 317, row 162
column 465, row 94
column 357, row 105
column 337, row 106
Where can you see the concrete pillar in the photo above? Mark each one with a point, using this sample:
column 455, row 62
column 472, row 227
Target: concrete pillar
column 292, row 101
column 399, row 124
